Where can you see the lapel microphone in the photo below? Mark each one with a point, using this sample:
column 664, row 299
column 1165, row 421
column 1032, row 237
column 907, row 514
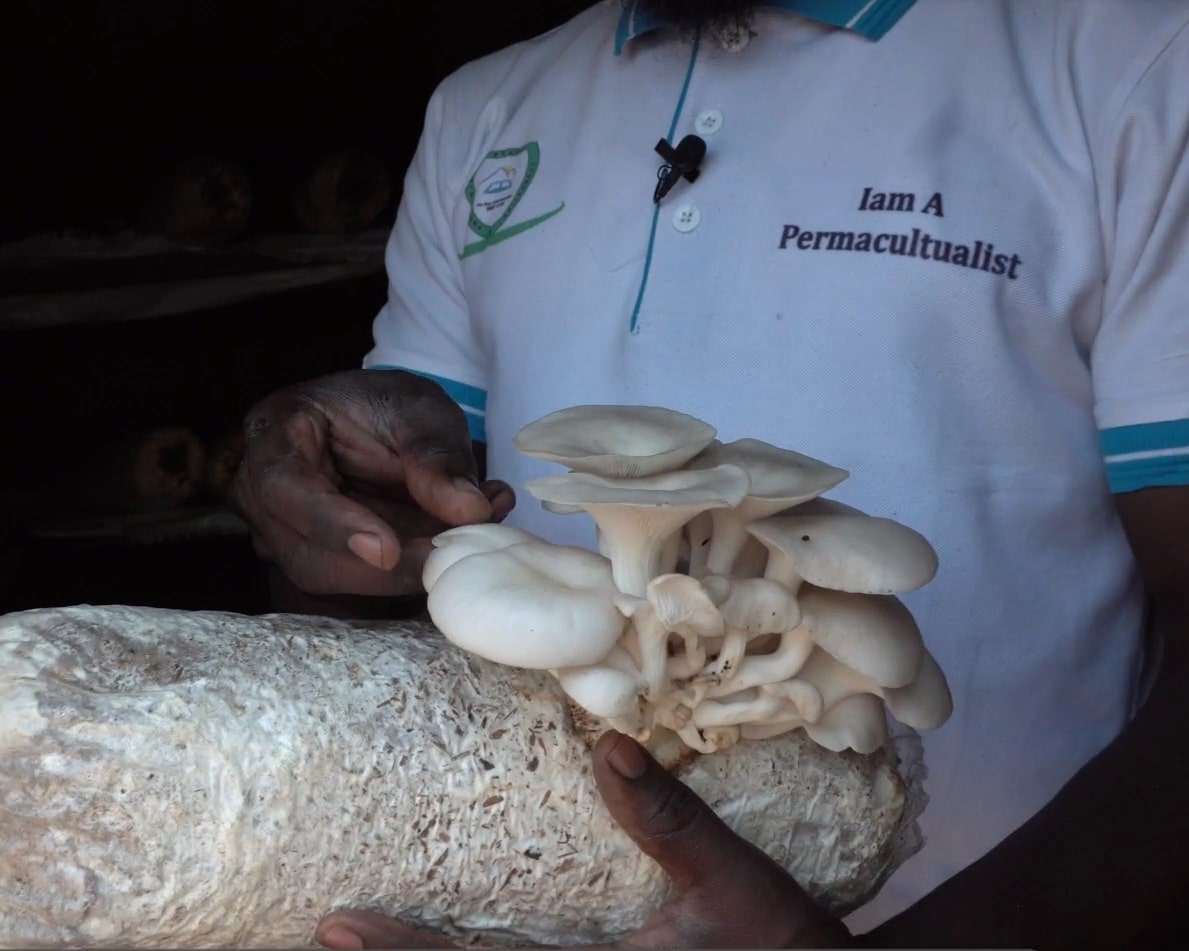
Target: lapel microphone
column 681, row 161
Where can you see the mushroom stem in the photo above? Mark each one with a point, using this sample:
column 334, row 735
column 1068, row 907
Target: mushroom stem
column 802, row 695
column 698, row 532
column 726, row 542
column 726, row 663
column 756, row 670
column 749, row 707
column 653, row 639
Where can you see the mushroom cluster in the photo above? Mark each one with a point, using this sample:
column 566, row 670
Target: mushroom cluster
column 728, row 599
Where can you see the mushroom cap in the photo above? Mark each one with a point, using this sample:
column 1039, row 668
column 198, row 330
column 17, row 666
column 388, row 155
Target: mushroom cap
column 924, row 704
column 602, row 690
column 682, row 606
column 780, row 477
column 873, row 634
column 803, row 696
column 850, row 551
column 457, row 543
column 833, row 680
column 701, row 489
column 755, row 605
column 637, row 517
column 532, row 605
column 616, row 441
column 857, row 723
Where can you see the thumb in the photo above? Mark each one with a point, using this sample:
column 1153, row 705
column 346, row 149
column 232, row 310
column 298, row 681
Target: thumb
column 662, row 815
column 352, row 930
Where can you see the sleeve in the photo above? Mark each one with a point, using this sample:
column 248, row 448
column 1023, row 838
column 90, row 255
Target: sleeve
column 1140, row 355
column 425, row 327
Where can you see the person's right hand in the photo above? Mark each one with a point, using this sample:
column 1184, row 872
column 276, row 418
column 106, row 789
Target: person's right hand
column 345, row 480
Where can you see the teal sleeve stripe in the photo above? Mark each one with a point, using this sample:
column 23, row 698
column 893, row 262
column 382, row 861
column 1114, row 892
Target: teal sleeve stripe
column 881, row 17
column 1145, row 437
column 1148, row 471
column 477, row 425
column 466, row 396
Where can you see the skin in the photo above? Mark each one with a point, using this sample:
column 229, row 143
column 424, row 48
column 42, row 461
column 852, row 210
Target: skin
column 345, row 479
column 1098, row 867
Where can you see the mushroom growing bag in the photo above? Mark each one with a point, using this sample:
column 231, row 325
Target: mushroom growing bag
column 185, row 780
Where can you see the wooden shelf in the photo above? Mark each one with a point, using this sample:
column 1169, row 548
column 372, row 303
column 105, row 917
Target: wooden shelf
column 56, row 280
column 144, row 528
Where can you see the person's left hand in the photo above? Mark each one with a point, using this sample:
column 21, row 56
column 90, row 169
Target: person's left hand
column 726, row 892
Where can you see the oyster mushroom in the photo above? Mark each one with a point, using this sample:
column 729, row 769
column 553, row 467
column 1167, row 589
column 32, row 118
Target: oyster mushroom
column 636, row 518
column 923, row 704
column 750, row 608
column 857, row 723
column 610, row 689
column 780, row 478
column 456, row 543
column 616, row 441
column 845, row 550
column 532, row 605
column 675, row 604
column 872, row 634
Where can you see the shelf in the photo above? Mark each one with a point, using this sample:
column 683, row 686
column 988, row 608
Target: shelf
column 153, row 528
column 56, row 280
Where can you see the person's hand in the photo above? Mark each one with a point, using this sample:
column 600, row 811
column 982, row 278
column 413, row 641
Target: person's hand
column 346, row 479
column 726, row 892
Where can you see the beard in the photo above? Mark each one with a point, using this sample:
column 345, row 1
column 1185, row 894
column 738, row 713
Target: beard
column 695, row 13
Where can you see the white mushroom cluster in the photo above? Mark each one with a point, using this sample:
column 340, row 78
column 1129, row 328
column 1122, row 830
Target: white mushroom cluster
column 728, row 600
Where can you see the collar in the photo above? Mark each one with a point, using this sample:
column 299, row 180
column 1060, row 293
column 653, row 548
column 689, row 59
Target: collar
column 869, row 18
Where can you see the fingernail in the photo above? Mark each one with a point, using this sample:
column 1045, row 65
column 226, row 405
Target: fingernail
column 342, row 938
column 369, row 547
column 627, row 759
column 466, row 485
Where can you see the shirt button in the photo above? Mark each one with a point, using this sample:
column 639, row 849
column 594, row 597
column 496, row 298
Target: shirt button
column 686, row 218
column 708, row 122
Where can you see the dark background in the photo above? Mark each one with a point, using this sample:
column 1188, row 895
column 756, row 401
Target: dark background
column 99, row 102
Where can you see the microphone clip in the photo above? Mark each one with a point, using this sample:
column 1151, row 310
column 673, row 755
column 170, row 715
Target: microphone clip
column 681, row 161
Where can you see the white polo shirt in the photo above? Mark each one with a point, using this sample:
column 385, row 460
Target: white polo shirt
column 954, row 261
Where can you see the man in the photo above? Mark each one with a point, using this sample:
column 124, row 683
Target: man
column 942, row 244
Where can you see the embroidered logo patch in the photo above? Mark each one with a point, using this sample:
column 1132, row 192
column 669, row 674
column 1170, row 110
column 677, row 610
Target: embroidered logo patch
column 496, row 189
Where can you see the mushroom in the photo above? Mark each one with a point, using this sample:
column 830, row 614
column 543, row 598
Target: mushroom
column 926, row 703
column 616, row 441
column 456, row 543
column 923, row 704
column 748, row 706
column 802, row 695
column 845, row 551
column 710, row 740
column 833, row 680
column 856, row 723
column 532, row 605
column 873, row 634
column 780, row 478
column 637, row 517
column 674, row 604
column 750, row 607
column 698, row 531
column 756, row 670
column 607, row 690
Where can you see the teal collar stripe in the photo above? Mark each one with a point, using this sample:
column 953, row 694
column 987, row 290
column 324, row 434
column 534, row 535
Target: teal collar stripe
column 869, row 18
